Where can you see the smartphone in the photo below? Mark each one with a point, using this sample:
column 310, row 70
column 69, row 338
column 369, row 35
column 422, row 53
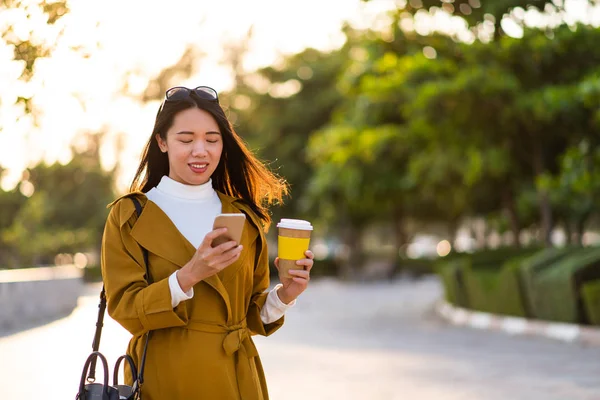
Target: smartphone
column 234, row 224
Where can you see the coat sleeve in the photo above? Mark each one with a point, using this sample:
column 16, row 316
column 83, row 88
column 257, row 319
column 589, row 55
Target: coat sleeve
column 259, row 294
column 134, row 304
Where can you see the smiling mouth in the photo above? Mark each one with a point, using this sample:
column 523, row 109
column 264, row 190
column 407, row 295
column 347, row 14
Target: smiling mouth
column 198, row 167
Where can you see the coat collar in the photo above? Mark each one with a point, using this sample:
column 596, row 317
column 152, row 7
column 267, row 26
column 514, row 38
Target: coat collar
column 172, row 245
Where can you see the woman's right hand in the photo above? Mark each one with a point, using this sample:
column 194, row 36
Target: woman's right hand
column 208, row 260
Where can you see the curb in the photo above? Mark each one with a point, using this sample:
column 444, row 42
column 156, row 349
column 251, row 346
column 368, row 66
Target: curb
column 565, row 332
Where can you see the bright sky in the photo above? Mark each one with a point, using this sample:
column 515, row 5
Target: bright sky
column 132, row 41
column 136, row 39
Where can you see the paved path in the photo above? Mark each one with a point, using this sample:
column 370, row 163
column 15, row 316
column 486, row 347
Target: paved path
column 372, row 341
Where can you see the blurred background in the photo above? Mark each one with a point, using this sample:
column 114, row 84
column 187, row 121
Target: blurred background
column 407, row 129
column 455, row 139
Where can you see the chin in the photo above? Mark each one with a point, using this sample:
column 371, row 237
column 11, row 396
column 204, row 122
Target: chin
column 196, row 181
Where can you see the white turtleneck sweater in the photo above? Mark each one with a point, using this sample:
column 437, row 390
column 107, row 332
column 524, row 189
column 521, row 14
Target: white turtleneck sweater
column 193, row 208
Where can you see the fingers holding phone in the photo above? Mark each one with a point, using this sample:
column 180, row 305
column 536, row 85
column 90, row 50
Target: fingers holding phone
column 219, row 249
column 208, row 260
column 234, row 223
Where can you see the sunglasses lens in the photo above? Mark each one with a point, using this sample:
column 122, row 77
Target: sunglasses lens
column 177, row 93
column 206, row 93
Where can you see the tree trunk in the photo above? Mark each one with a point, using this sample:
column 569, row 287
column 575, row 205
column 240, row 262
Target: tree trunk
column 568, row 233
column 401, row 241
column 452, row 232
column 400, row 235
column 513, row 217
column 544, row 199
column 498, row 31
column 580, row 227
column 350, row 264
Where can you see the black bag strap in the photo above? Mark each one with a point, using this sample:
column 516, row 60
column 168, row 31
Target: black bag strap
column 140, row 379
column 100, row 322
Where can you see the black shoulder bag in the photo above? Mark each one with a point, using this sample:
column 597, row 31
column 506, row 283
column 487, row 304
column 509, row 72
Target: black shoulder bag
column 103, row 391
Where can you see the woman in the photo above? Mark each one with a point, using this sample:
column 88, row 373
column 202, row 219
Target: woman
column 203, row 303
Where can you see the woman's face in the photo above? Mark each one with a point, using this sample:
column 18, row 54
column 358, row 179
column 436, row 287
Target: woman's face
column 194, row 145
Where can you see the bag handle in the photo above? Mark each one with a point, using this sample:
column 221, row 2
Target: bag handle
column 92, row 358
column 129, row 360
column 102, row 308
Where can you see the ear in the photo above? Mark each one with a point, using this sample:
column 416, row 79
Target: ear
column 162, row 144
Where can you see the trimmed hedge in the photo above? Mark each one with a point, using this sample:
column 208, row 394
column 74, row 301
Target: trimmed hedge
column 558, row 284
column 557, row 289
column 496, row 291
column 415, row 266
column 535, row 264
column 493, row 258
column 92, row 273
column 451, row 274
column 469, row 278
column 590, row 292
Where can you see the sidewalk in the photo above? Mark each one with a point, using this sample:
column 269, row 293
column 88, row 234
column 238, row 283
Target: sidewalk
column 570, row 333
column 375, row 341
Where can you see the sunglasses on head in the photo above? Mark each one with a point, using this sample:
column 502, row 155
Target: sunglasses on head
column 178, row 93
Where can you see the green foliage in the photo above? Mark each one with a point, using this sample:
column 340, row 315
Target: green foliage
column 420, row 133
column 531, row 266
column 474, row 11
column 452, row 276
column 92, row 273
column 281, row 133
column 29, row 48
column 558, row 287
column 65, row 213
column 575, row 190
column 486, row 280
column 497, row 290
column 494, row 259
column 590, row 292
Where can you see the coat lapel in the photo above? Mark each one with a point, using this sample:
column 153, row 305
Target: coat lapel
column 155, row 232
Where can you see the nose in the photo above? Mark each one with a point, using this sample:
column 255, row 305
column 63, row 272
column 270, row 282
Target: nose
column 199, row 149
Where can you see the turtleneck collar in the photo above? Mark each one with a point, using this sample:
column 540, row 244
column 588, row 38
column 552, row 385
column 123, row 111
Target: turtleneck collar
column 173, row 188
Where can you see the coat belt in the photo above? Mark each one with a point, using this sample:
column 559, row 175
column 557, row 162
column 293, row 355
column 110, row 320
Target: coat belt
column 237, row 340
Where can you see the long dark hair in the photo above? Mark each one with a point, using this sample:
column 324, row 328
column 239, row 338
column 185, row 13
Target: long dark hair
column 239, row 173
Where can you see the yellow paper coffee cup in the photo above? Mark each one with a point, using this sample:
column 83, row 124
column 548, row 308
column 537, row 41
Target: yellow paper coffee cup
column 292, row 242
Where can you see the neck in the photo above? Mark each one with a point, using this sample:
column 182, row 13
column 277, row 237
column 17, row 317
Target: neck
column 181, row 190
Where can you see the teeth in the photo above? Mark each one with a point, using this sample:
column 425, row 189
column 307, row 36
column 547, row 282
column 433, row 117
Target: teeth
column 198, row 165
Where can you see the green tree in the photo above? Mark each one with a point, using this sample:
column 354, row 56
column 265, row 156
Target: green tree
column 29, row 48
column 65, row 211
column 276, row 109
column 575, row 191
column 480, row 12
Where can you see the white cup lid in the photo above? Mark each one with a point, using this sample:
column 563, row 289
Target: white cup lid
column 295, row 224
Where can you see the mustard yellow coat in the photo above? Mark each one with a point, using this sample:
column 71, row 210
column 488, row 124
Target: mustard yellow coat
column 201, row 349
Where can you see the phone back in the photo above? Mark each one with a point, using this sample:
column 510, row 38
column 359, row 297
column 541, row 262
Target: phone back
column 234, row 224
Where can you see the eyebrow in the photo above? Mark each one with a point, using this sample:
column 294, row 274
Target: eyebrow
column 191, row 133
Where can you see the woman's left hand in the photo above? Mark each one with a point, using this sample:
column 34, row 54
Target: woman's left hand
column 294, row 286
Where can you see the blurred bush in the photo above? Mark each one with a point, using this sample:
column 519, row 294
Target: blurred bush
column 591, row 301
column 92, row 273
column 532, row 266
column 560, row 286
column 551, row 284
